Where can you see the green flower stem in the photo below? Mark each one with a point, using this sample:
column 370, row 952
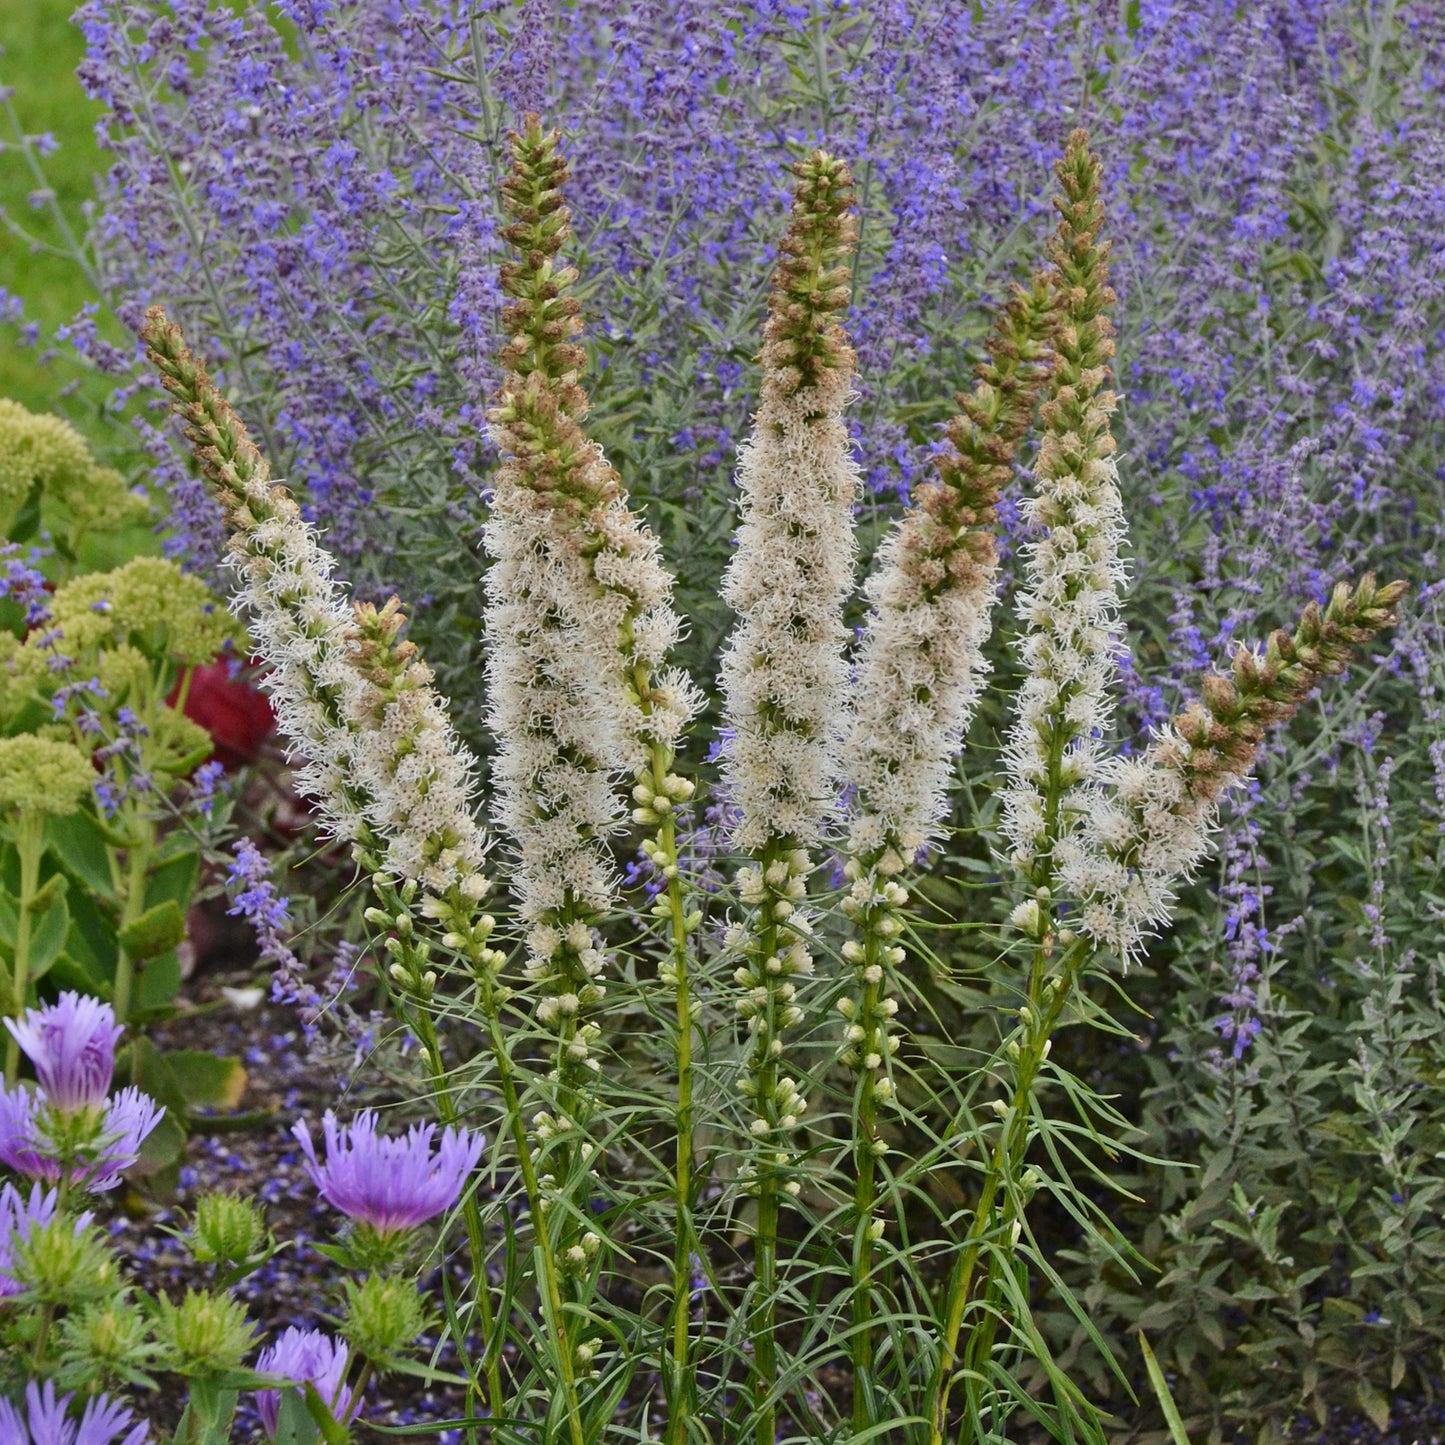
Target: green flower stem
column 471, row 1218
column 414, row 977
column 656, row 778
column 865, row 1163
column 546, row 1254
column 490, row 1003
column 1048, row 993
column 137, row 864
column 29, row 836
column 679, row 1392
column 763, row 1319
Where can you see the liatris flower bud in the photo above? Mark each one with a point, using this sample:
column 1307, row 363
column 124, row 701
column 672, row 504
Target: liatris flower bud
column 378, row 756
column 921, row 661
column 227, row 1230
column 204, row 1334
column 389, row 1184
column 1150, row 817
column 102, row 1420
column 72, row 1046
column 1074, row 569
column 783, row 673
column 306, row 1357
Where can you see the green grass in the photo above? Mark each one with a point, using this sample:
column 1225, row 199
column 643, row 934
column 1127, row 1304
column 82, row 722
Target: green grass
column 41, row 51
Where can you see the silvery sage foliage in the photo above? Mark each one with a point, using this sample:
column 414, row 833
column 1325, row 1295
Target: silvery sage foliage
column 585, row 1198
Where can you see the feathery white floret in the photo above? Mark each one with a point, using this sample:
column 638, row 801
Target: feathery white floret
column 783, row 674
column 561, row 743
column 919, row 671
column 396, row 765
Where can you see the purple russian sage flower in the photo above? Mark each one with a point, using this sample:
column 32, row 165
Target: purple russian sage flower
column 306, row 1357
column 45, row 1422
column 29, row 1142
column 391, row 1184
column 72, row 1045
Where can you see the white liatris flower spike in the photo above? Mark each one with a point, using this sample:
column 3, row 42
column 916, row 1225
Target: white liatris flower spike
column 421, row 777
column 783, row 675
column 920, row 663
column 579, row 608
column 1150, row 817
column 1074, row 570
column 379, row 756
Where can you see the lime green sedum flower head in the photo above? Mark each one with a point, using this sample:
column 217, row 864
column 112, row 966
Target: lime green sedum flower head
column 149, row 601
column 40, row 450
column 40, row 775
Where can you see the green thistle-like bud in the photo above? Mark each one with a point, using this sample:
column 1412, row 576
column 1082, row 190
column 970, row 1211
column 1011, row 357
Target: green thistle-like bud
column 105, row 1344
column 227, row 1230
column 58, row 1264
column 384, row 1315
column 204, row 1334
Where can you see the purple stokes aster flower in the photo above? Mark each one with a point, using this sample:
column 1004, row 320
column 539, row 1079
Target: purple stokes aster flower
column 391, row 1184
column 303, row 1356
column 72, row 1046
column 28, row 1138
column 45, row 1420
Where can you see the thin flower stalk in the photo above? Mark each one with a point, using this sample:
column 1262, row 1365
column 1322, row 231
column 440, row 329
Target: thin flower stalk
column 376, row 759
column 783, row 679
column 919, row 670
column 380, row 758
column 1074, row 572
column 581, row 607
column 1059, row 818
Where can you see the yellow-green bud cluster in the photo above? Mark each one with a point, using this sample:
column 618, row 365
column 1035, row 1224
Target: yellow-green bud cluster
column 166, row 611
column 384, row 1314
column 227, row 1230
column 40, row 775
column 40, row 450
column 873, row 905
column 204, row 1334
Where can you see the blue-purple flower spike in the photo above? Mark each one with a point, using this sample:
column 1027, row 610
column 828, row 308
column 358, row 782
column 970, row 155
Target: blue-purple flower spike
column 391, row 1184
